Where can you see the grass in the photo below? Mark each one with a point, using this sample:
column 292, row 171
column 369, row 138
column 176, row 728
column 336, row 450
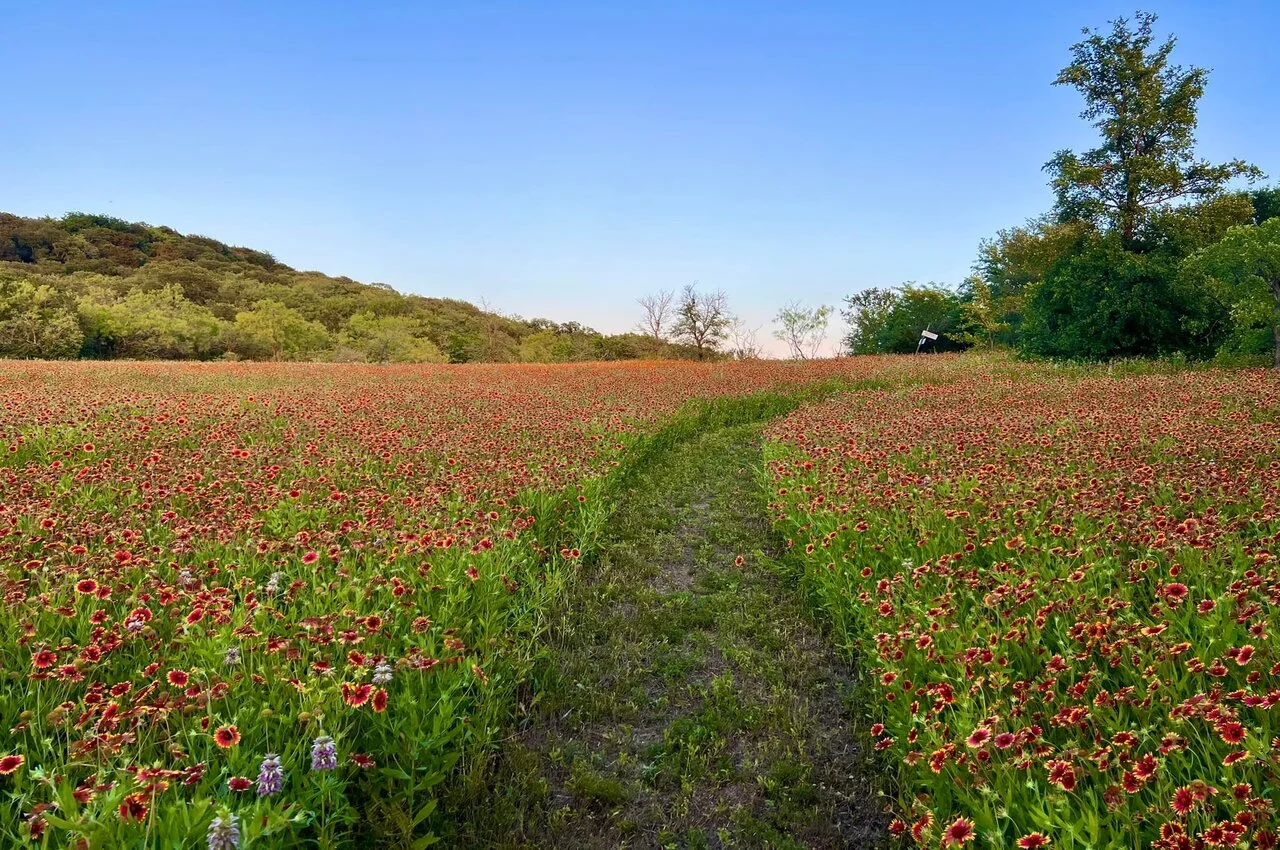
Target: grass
column 688, row 700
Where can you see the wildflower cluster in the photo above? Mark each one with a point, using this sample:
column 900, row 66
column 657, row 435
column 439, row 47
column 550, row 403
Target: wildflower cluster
column 1063, row 585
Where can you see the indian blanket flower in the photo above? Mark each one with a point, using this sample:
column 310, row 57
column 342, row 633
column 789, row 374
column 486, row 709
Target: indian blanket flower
column 10, row 764
column 959, row 833
column 226, row 737
column 224, row 832
column 270, row 776
column 324, row 753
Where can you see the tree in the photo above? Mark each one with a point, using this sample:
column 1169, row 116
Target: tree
column 867, row 313
column 37, row 322
column 1243, row 271
column 919, row 307
column 803, row 329
column 389, row 339
column 657, row 314
column 981, row 316
column 744, row 343
column 1102, row 301
column 702, row 319
column 1015, row 262
column 1145, row 110
column 148, row 324
column 1266, row 204
column 273, row 331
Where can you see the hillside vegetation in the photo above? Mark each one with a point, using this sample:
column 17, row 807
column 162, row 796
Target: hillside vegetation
column 99, row 287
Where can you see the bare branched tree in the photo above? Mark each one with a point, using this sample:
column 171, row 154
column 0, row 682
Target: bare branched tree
column 702, row 319
column 657, row 314
column 744, row 342
column 803, row 329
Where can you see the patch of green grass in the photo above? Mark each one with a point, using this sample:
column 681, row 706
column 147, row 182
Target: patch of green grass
column 688, row 700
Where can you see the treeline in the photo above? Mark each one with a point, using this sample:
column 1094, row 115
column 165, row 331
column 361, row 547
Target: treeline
column 94, row 286
column 1146, row 252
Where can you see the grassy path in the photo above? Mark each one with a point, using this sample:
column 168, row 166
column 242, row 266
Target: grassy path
column 692, row 702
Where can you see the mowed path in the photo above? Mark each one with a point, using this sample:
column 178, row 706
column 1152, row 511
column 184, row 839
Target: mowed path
column 691, row 701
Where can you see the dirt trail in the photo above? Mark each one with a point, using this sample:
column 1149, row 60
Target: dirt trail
column 694, row 703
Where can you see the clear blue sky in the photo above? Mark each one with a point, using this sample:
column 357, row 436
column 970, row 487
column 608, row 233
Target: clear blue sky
column 559, row 159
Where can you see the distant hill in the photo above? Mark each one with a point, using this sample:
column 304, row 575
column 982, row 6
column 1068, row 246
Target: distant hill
column 95, row 286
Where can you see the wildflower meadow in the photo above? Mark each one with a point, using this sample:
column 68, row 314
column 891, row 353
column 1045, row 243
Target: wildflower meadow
column 287, row 605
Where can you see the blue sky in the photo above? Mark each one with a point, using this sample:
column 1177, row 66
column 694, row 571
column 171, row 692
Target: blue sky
column 560, row 159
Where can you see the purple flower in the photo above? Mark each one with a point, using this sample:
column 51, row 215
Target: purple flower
column 270, row 776
column 224, row 833
column 324, row 753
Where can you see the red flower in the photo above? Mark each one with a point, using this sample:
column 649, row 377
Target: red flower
column 361, row 760
column 380, row 701
column 226, row 736
column 1184, row 800
column 310, row 558
column 239, row 783
column 178, row 678
column 1062, row 774
column 44, row 659
column 86, row 586
column 356, row 695
column 9, row 764
column 1232, row 733
column 959, row 833
column 1033, row 840
column 134, row 807
column 978, row 737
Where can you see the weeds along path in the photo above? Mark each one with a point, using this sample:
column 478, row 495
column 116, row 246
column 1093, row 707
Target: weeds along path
column 691, row 702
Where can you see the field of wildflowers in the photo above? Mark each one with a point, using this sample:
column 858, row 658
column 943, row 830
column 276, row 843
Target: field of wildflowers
column 281, row 605
column 1060, row 583
column 288, row 605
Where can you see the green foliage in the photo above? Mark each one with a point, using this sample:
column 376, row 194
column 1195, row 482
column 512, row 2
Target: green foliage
column 803, row 329
column 1103, row 301
column 1242, row 272
column 890, row 320
column 37, row 321
column 159, row 323
column 982, row 315
column 389, row 339
column 1015, row 262
column 1102, row 277
column 272, row 331
column 1266, row 204
column 135, row 290
column 1145, row 110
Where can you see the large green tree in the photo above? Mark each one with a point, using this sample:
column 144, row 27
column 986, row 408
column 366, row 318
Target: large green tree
column 1145, row 110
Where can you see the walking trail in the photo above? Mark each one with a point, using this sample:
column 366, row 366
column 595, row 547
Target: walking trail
column 691, row 701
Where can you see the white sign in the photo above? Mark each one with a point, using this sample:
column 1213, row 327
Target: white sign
column 928, row 335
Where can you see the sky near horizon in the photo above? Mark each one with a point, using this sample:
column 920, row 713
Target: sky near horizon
column 560, row 159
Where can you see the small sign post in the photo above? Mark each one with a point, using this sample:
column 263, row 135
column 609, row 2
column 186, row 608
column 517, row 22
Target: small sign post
column 925, row 334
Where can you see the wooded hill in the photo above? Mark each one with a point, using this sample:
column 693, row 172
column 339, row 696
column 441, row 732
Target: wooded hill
column 100, row 287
